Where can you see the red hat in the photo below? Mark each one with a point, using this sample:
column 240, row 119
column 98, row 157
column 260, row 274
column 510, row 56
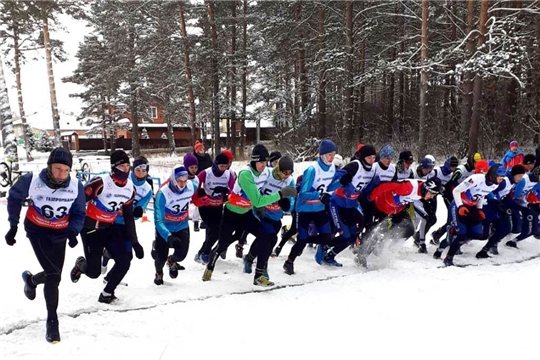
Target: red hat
column 481, row 166
column 198, row 145
column 228, row 154
column 513, row 143
column 359, row 147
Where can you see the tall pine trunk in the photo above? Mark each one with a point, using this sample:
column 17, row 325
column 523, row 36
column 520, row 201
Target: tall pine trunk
column 233, row 77
column 191, row 96
column 244, row 75
column 134, row 94
column 215, row 76
column 423, row 81
column 349, row 99
column 26, row 130
column 52, row 86
column 477, row 86
column 6, row 122
column 322, row 77
column 467, row 98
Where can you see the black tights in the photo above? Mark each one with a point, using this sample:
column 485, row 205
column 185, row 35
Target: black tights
column 51, row 258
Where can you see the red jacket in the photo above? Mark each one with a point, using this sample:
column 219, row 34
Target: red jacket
column 391, row 197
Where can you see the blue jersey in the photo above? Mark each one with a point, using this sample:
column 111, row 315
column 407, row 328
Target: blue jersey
column 316, row 180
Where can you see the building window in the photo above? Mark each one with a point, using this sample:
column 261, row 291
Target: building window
column 153, row 112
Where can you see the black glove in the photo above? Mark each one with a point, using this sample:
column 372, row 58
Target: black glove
column 201, row 193
column 72, row 240
column 173, row 240
column 139, row 251
column 221, row 190
column 137, row 211
column 284, row 204
column 260, row 212
column 10, row 236
column 325, row 198
column 346, row 179
column 288, row 191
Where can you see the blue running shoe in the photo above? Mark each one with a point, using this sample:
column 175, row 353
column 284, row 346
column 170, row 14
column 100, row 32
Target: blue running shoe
column 205, row 259
column 320, row 254
column 332, row 262
column 248, row 265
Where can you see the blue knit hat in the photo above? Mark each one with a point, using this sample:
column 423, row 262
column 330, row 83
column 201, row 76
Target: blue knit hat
column 387, row 151
column 179, row 172
column 327, row 146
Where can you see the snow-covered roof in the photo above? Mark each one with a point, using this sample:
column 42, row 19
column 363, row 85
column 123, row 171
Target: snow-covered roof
column 266, row 124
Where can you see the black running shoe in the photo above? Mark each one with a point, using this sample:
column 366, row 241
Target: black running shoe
column 107, row 299
column 53, row 334
column 76, row 271
column 29, row 286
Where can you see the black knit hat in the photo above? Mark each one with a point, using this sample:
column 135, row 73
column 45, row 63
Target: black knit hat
column 221, row 159
column 286, row 164
column 517, row 170
column 529, row 159
column 406, row 155
column 60, row 156
column 367, row 150
column 454, row 162
column 259, row 153
column 119, row 157
column 274, row 155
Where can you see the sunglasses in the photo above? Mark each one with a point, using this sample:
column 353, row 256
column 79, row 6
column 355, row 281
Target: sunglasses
column 142, row 167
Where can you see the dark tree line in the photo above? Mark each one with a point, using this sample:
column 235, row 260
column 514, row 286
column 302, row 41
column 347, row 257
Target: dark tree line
column 449, row 76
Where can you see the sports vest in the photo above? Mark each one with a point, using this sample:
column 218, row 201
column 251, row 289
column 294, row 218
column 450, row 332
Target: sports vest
column 322, row 178
column 50, row 207
column 385, row 175
column 238, row 197
column 177, row 205
column 107, row 205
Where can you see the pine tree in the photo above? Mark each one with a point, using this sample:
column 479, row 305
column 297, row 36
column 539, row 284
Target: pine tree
column 45, row 143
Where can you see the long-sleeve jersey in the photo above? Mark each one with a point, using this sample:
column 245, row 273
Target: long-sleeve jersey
column 274, row 211
column 472, row 191
column 520, row 191
column 363, row 180
column 171, row 208
column 246, row 195
column 393, row 197
column 504, row 188
column 143, row 194
column 316, row 180
column 55, row 213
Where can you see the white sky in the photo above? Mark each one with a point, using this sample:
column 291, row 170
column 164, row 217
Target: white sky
column 35, row 79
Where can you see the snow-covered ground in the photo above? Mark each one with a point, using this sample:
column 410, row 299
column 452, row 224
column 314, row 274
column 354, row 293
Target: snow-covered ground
column 405, row 305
